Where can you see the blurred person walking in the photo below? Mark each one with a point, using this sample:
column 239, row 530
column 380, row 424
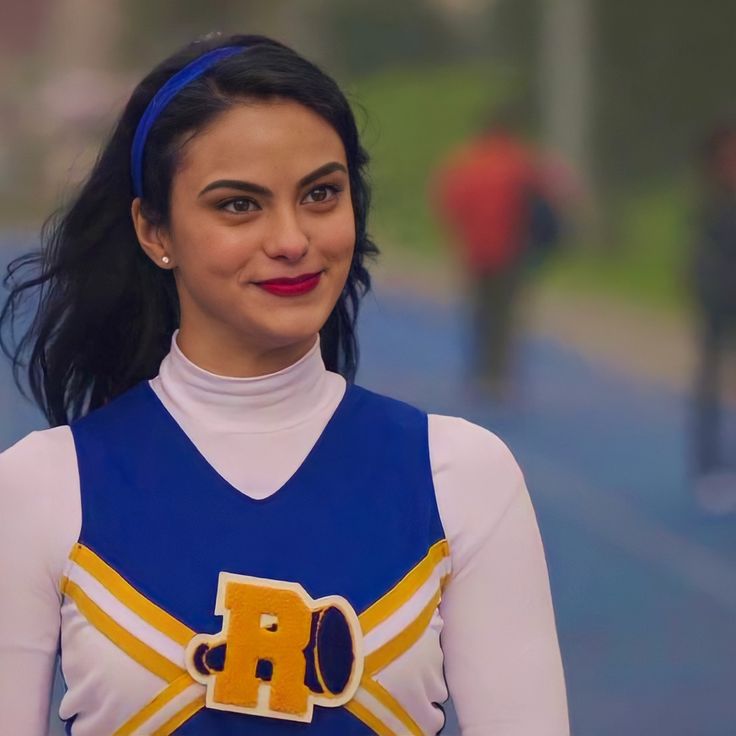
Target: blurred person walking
column 494, row 196
column 713, row 285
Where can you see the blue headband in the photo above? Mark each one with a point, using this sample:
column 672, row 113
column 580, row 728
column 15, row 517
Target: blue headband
column 162, row 98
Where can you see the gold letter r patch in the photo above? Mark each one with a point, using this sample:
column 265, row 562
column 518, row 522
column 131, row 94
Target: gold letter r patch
column 279, row 652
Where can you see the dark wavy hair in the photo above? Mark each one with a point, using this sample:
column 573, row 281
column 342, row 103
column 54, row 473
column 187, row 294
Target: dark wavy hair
column 103, row 313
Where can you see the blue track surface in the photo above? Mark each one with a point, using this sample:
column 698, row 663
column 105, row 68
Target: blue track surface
column 644, row 586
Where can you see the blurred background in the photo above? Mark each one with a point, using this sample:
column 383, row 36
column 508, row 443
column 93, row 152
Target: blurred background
column 555, row 200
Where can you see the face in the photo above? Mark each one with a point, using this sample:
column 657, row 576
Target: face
column 261, row 232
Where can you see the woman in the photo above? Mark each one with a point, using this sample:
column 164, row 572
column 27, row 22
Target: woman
column 227, row 534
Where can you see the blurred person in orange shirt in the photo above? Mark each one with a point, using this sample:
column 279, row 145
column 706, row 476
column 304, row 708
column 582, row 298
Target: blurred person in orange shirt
column 495, row 196
column 713, row 284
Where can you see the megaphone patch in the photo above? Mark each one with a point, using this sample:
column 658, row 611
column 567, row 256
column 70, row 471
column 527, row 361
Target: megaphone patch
column 280, row 652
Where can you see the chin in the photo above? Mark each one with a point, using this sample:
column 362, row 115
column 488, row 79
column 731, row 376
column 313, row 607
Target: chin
column 286, row 335
column 292, row 326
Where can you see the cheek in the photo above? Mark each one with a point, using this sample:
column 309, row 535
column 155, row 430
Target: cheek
column 339, row 241
column 213, row 252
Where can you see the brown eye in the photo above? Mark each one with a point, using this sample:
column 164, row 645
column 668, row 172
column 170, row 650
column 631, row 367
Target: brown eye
column 323, row 193
column 239, row 206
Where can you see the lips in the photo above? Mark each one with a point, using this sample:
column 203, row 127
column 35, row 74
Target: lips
column 291, row 286
column 293, row 280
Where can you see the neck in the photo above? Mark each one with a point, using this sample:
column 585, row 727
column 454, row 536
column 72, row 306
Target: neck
column 254, row 431
column 238, row 360
column 245, row 404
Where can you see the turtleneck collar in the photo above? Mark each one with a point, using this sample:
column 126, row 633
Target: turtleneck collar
column 246, row 405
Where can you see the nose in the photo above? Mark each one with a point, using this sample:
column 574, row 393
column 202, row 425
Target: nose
column 286, row 238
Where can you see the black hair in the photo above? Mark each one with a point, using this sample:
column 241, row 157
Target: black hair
column 105, row 313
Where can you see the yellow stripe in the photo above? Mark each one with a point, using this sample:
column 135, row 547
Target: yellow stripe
column 405, row 589
column 363, row 714
column 163, row 698
column 384, row 655
column 388, row 701
column 183, row 715
column 131, row 645
column 129, row 596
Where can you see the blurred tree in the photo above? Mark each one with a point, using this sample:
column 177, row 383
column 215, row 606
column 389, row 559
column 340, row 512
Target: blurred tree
column 374, row 34
column 470, row 21
column 21, row 34
column 660, row 76
column 153, row 30
column 564, row 81
column 664, row 75
column 79, row 89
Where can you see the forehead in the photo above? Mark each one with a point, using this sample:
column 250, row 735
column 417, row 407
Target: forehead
column 262, row 141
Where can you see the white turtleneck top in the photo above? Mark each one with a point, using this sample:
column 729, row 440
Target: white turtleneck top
column 501, row 656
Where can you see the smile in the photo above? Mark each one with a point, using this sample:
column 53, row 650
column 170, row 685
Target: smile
column 291, row 286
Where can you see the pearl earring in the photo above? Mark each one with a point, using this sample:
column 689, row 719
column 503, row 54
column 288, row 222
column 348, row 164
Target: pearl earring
column 166, row 260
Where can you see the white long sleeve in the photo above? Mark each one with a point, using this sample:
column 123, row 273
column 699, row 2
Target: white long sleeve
column 502, row 659
column 40, row 518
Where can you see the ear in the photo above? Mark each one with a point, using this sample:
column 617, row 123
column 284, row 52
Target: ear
column 152, row 238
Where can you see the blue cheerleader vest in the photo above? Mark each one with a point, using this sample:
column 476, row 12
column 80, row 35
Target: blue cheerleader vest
column 261, row 617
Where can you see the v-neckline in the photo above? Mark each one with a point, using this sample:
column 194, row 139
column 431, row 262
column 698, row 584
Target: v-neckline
column 204, row 464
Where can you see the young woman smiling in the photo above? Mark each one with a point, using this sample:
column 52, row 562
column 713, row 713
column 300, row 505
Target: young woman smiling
column 221, row 533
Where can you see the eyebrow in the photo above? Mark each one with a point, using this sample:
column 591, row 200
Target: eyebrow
column 247, row 186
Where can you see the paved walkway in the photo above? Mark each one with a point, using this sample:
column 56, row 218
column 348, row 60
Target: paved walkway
column 648, row 345
column 644, row 586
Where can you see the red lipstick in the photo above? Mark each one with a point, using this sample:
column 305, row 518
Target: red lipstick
column 291, row 287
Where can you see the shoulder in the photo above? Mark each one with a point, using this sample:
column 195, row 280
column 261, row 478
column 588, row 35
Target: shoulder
column 459, row 445
column 127, row 405
column 39, row 490
column 476, row 479
column 478, row 460
column 380, row 406
column 38, row 453
column 39, row 471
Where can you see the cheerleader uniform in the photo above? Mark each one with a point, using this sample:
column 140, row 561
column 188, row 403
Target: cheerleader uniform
column 274, row 555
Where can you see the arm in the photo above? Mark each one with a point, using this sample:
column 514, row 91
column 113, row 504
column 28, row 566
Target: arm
column 39, row 521
column 502, row 658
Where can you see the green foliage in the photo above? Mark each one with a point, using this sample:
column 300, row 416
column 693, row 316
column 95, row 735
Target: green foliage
column 372, row 35
column 664, row 71
column 647, row 265
column 414, row 117
column 153, row 30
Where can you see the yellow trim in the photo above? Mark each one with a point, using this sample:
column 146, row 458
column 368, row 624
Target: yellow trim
column 131, row 645
column 405, row 589
column 443, row 583
column 154, row 706
column 183, row 715
column 363, row 714
column 390, row 703
column 384, row 655
column 179, row 680
column 129, row 596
